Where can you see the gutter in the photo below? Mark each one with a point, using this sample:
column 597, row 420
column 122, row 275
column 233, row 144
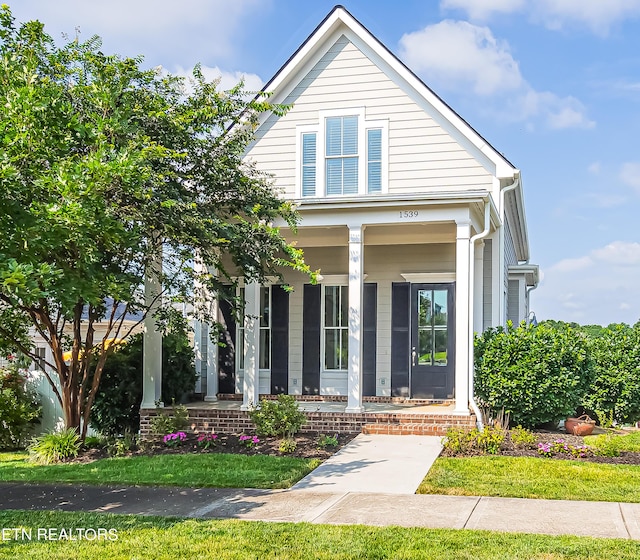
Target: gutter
column 472, row 241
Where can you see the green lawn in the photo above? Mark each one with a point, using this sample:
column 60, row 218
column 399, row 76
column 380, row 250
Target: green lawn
column 171, row 538
column 532, row 477
column 196, row 470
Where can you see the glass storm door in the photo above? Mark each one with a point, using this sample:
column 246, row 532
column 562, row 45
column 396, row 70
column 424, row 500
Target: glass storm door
column 432, row 341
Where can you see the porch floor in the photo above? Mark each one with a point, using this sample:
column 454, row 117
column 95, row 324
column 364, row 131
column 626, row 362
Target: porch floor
column 339, row 407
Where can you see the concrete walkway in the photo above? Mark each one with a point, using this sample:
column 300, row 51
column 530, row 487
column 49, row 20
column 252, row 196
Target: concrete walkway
column 551, row 517
column 375, row 463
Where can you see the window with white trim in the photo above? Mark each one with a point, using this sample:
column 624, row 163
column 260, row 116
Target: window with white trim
column 264, row 359
column 335, row 328
column 341, row 155
column 344, row 154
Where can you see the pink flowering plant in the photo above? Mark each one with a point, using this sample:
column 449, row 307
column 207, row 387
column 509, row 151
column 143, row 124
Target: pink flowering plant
column 174, row 439
column 559, row 446
column 205, row 441
column 249, row 441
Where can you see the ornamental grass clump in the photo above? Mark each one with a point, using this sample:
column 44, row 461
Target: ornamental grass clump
column 54, row 447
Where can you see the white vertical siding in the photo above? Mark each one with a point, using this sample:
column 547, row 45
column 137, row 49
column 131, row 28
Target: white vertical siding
column 422, row 155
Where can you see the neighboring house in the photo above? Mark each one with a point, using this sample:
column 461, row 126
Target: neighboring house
column 415, row 221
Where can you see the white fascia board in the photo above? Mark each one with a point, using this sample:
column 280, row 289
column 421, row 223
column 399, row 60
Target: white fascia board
column 381, row 201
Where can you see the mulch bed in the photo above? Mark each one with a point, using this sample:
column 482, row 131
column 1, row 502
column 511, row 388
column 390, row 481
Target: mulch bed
column 509, row 449
column 306, row 447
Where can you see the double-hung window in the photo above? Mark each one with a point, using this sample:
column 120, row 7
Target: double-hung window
column 344, row 154
column 336, row 327
column 341, row 155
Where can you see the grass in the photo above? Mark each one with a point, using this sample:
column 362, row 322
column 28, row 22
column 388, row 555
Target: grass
column 197, row 470
column 170, row 538
column 615, row 442
column 532, row 477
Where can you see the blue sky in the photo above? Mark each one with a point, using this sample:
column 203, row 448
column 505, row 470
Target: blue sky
column 553, row 84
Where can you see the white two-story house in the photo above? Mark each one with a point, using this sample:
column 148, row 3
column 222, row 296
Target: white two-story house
column 415, row 221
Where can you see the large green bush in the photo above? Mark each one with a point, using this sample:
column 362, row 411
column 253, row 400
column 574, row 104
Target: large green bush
column 282, row 417
column 117, row 406
column 19, row 407
column 614, row 394
column 537, row 374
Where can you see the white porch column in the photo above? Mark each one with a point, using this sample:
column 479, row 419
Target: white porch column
column 211, row 306
column 463, row 287
column 152, row 338
column 250, row 385
column 212, row 359
column 497, row 280
column 354, row 381
column 478, row 285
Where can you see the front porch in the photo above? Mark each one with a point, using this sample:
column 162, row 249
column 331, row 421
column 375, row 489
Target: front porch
column 386, row 415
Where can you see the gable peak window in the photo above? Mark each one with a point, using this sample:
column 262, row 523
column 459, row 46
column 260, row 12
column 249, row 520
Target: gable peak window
column 343, row 154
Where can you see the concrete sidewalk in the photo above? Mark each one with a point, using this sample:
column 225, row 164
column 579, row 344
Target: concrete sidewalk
column 375, row 463
column 551, row 517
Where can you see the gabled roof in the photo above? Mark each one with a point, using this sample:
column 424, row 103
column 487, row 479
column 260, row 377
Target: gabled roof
column 340, row 21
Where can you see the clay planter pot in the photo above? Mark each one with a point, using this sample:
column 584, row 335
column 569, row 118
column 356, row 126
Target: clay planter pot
column 581, row 426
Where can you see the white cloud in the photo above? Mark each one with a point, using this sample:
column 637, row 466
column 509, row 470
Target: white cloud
column 618, row 253
column 596, row 15
column 600, row 287
column 161, row 30
column 482, row 9
column 463, row 55
column 570, row 265
column 630, row 175
column 458, row 55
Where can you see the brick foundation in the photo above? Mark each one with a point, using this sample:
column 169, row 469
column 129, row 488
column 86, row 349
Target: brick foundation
column 237, row 421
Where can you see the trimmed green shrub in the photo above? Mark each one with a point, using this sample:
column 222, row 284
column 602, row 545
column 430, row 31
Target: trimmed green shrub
column 54, row 447
column 537, row 374
column 614, row 394
column 19, row 407
column 169, row 420
column 281, row 417
column 117, row 406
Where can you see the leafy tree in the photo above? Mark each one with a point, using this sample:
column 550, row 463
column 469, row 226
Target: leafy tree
column 102, row 165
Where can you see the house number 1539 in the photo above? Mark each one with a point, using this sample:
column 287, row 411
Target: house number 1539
column 404, row 214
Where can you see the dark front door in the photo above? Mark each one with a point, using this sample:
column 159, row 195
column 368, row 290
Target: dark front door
column 432, row 341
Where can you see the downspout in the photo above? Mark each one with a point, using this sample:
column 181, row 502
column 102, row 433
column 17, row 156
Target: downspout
column 501, row 211
column 472, row 241
column 529, row 290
